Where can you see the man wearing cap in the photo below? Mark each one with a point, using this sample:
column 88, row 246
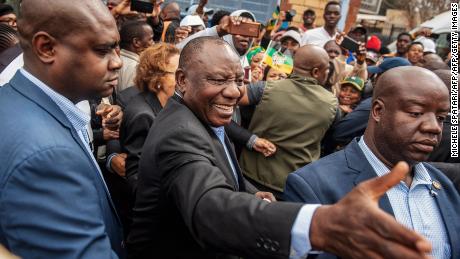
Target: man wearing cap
column 7, row 15
column 405, row 125
column 359, row 33
column 350, row 93
column 290, row 40
column 195, row 22
column 319, row 36
column 354, row 124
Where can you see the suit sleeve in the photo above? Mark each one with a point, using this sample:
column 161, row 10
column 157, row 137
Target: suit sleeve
column 299, row 190
column 137, row 130
column 218, row 217
column 352, row 125
column 53, row 210
column 238, row 134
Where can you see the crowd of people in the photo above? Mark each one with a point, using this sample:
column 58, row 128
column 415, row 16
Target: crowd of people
column 152, row 135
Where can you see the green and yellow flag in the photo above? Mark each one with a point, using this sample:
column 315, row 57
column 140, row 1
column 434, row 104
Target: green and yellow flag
column 278, row 60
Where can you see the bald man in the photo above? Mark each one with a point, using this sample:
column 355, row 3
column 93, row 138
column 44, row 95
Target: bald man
column 193, row 202
column 405, row 124
column 54, row 202
column 294, row 114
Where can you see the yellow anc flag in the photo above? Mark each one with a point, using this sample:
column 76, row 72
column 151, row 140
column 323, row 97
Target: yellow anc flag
column 278, row 60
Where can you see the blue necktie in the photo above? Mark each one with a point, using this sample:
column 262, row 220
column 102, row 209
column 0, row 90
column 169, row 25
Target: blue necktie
column 220, row 132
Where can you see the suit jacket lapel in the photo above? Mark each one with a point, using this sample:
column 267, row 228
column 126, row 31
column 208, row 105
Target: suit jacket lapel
column 35, row 94
column 357, row 161
column 221, row 159
column 450, row 220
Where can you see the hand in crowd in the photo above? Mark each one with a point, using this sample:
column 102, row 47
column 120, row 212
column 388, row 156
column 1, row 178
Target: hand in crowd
column 257, row 74
column 123, row 8
column 362, row 230
column 264, row 146
column 426, row 32
column 268, row 196
column 157, row 8
column 200, row 7
column 118, row 164
column 110, row 134
column 346, row 108
column 181, row 33
column 224, row 26
column 111, row 116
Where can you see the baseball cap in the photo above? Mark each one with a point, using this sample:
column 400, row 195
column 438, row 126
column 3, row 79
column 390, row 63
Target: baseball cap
column 192, row 10
column 388, row 64
column 6, row 9
column 355, row 81
column 192, row 20
column 428, row 44
column 372, row 56
column 292, row 34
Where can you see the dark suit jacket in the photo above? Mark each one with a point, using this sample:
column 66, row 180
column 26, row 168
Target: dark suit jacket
column 188, row 204
column 451, row 170
column 442, row 152
column 329, row 179
column 353, row 124
column 138, row 116
column 53, row 202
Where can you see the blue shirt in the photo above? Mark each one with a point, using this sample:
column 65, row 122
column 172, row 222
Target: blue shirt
column 414, row 206
column 78, row 119
column 300, row 232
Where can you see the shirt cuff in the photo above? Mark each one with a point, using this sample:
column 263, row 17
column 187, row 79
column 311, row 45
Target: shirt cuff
column 108, row 164
column 300, row 233
column 251, row 141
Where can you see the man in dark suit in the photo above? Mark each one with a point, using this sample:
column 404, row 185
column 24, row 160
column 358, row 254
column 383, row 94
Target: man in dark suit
column 405, row 125
column 192, row 201
column 54, row 202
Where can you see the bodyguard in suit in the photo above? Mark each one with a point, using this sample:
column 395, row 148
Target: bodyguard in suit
column 54, row 202
column 193, row 202
column 405, row 125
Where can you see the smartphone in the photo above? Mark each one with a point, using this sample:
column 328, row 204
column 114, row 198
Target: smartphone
column 142, row 6
column 247, row 29
column 350, row 44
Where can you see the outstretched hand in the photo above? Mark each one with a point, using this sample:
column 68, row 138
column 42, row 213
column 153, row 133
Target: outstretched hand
column 355, row 227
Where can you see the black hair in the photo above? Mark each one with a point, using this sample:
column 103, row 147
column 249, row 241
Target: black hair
column 293, row 28
column 405, row 34
column 416, row 43
column 8, row 37
column 332, row 3
column 309, row 11
column 384, row 50
column 218, row 16
column 130, row 30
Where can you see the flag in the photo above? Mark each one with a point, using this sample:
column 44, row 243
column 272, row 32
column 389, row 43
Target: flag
column 275, row 16
column 278, row 60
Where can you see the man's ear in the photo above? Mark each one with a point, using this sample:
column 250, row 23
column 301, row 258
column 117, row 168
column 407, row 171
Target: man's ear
column 136, row 43
column 44, row 46
column 377, row 110
column 180, row 80
column 315, row 72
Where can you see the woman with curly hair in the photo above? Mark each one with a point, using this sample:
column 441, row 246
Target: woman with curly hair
column 155, row 78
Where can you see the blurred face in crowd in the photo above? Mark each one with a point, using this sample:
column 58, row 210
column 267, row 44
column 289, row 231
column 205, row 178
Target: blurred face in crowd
column 275, row 75
column 402, row 44
column 257, row 61
column 349, row 95
column 333, row 50
column 168, row 80
column 290, row 44
column 9, row 19
column 332, row 15
column 409, row 118
column 309, row 18
column 147, row 38
column 196, row 29
column 214, row 84
column 415, row 53
column 241, row 43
